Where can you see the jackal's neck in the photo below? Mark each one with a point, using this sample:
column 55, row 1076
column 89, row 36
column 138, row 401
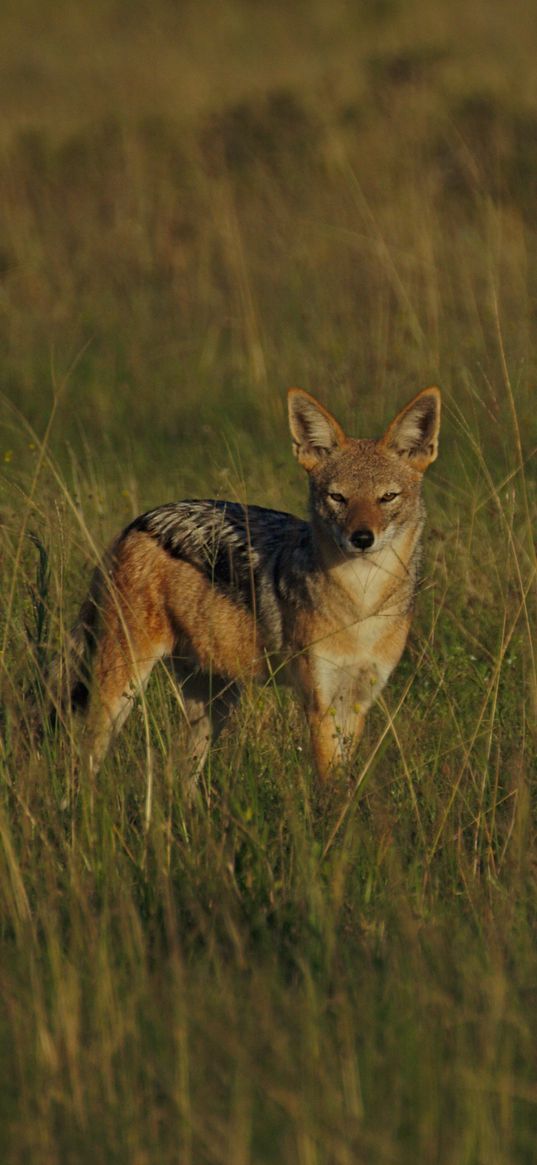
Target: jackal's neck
column 383, row 578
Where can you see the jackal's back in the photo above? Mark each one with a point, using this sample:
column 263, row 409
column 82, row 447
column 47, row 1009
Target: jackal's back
column 256, row 557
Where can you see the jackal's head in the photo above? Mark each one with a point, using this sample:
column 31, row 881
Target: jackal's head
column 364, row 493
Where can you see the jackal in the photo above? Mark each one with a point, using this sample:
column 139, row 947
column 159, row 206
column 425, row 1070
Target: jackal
column 225, row 592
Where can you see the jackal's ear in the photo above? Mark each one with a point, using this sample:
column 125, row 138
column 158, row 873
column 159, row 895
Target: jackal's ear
column 314, row 430
column 414, row 432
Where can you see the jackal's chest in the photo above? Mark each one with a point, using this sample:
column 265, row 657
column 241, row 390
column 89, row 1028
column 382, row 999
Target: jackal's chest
column 350, row 664
column 353, row 665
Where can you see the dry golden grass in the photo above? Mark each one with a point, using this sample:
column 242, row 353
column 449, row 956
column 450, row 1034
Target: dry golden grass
column 200, row 205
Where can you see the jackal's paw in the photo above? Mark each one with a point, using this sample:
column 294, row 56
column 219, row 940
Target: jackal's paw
column 334, row 791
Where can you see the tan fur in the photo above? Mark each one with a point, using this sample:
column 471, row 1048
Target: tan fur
column 327, row 607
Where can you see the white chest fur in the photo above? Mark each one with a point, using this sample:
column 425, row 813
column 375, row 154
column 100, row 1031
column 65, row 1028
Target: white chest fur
column 364, row 633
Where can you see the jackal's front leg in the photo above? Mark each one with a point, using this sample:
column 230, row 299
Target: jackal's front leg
column 334, row 739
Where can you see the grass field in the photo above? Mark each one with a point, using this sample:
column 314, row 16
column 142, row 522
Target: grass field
column 200, row 205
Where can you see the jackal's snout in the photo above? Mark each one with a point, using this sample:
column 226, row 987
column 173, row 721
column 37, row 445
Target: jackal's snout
column 361, row 524
column 363, row 538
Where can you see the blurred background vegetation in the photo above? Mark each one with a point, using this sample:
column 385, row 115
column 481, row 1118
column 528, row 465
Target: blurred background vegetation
column 202, row 203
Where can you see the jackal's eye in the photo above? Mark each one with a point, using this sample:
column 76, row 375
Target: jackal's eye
column 338, row 499
column 389, row 497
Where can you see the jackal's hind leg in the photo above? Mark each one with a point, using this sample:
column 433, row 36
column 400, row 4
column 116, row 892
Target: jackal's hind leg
column 208, row 701
column 120, row 675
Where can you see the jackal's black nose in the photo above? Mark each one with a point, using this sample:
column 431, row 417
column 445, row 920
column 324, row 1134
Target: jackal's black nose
column 363, row 539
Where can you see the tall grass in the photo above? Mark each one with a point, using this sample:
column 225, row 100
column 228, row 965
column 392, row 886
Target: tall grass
column 265, row 977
